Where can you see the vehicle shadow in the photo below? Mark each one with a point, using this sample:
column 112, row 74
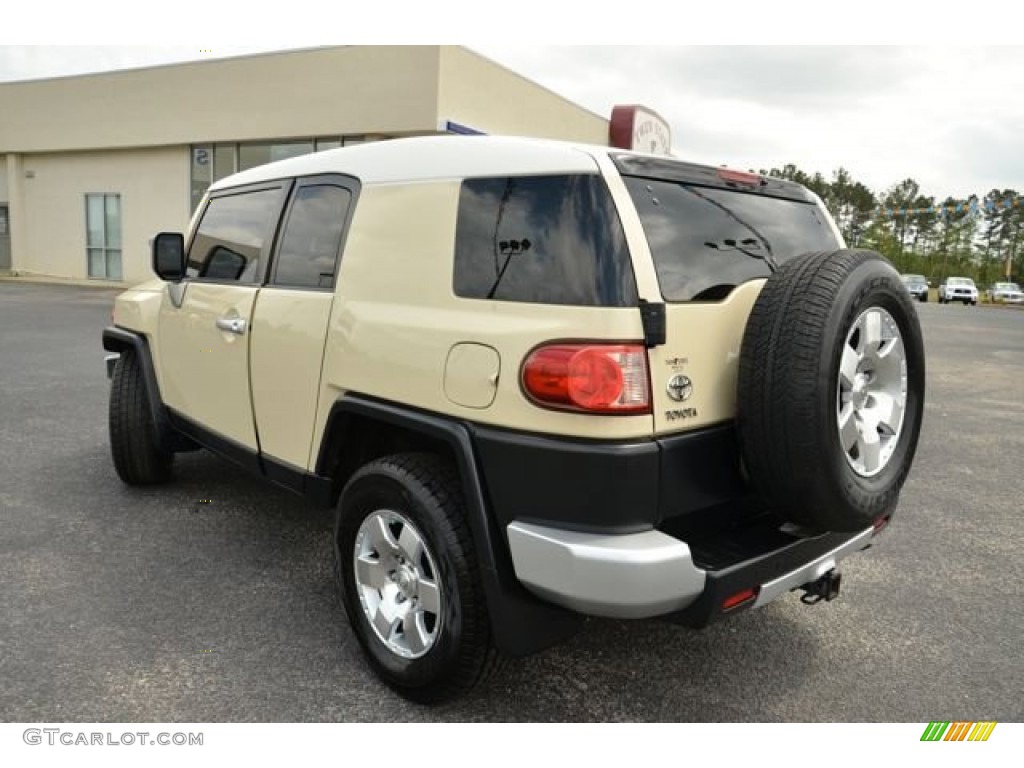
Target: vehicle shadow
column 738, row 670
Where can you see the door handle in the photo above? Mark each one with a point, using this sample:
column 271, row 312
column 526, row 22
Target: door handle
column 232, row 324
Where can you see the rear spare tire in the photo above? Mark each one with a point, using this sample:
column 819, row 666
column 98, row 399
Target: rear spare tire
column 830, row 390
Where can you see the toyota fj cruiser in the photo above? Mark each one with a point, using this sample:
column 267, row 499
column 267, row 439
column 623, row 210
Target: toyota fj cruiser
column 536, row 380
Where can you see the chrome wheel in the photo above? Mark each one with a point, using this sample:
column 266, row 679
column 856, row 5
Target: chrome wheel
column 872, row 391
column 397, row 582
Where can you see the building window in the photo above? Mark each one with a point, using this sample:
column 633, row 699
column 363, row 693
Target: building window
column 225, row 160
column 202, row 172
column 251, row 155
column 103, row 235
column 213, row 162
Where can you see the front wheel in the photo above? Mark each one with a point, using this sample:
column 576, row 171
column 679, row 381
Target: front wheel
column 409, row 578
column 134, row 444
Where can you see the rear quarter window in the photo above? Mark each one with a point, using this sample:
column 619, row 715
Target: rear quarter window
column 542, row 240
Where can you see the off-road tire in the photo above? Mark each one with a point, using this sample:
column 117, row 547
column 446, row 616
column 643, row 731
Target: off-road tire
column 424, row 489
column 134, row 445
column 788, row 390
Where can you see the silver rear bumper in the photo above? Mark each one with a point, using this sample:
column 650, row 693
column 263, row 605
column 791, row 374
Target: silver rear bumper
column 627, row 576
column 635, row 575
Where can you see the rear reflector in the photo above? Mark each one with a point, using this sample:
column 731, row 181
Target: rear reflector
column 880, row 523
column 735, row 601
column 596, row 378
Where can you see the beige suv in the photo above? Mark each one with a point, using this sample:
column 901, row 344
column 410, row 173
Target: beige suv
column 537, row 381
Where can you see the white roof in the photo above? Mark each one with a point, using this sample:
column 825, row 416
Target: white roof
column 431, row 158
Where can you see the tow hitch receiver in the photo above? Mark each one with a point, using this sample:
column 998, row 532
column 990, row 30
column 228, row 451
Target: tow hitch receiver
column 824, row 588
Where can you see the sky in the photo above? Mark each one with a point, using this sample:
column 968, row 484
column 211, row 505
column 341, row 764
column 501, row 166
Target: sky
column 950, row 117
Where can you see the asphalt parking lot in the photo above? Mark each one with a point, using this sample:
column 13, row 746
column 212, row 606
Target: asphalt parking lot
column 126, row 605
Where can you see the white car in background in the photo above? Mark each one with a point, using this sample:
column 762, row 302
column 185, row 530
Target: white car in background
column 958, row 289
column 1006, row 293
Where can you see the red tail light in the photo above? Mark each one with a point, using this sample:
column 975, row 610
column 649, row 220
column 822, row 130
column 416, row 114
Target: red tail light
column 597, row 378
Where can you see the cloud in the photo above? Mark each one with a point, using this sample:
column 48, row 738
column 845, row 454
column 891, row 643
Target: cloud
column 946, row 116
column 949, row 117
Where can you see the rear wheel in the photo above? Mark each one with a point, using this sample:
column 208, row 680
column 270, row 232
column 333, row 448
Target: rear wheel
column 409, row 579
column 831, row 390
column 134, row 444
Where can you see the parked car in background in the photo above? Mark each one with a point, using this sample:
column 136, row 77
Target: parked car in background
column 1005, row 293
column 916, row 286
column 958, row 289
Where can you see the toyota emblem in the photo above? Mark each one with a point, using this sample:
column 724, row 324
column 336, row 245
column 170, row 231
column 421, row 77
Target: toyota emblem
column 679, row 387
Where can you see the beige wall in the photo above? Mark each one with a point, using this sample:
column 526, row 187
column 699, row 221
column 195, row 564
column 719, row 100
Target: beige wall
column 129, row 132
column 3, row 178
column 476, row 92
column 153, row 185
column 346, row 90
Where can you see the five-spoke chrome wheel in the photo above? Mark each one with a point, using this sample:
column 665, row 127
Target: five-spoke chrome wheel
column 397, row 581
column 872, row 391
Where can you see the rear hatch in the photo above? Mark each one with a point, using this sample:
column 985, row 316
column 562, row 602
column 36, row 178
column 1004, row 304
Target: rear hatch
column 714, row 236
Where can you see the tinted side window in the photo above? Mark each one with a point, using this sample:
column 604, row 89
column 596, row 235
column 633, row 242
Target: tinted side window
column 308, row 256
column 542, row 239
column 229, row 242
column 707, row 241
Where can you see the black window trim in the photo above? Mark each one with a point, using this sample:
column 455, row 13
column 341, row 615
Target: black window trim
column 273, row 226
column 348, row 183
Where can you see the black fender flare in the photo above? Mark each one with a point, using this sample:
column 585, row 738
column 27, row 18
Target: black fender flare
column 121, row 340
column 522, row 623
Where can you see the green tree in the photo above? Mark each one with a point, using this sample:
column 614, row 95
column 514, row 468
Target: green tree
column 899, row 199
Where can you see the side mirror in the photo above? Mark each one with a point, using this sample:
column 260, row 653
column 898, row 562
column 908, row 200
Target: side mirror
column 169, row 256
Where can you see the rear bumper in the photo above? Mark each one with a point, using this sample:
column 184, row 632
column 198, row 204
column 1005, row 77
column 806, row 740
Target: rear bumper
column 646, row 574
column 626, row 576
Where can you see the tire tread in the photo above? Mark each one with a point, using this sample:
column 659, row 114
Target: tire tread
column 137, row 456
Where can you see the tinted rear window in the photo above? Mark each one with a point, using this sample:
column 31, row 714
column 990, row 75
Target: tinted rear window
column 544, row 240
column 707, row 241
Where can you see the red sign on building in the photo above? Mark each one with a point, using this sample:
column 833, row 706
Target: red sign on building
column 644, row 130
